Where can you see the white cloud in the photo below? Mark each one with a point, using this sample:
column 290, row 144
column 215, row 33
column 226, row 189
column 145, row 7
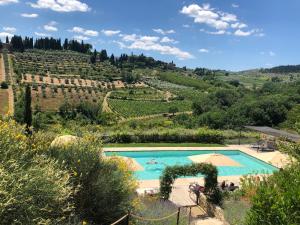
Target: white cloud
column 219, row 32
column 10, row 29
column 5, row 34
column 110, row 33
column 151, row 43
column 128, row 37
column 6, row 2
column 168, row 40
column 80, row 38
column 203, row 50
column 163, row 32
column 235, row 5
column 28, row 15
column 186, row 26
column 271, row 53
column 239, row 25
column 206, row 15
column 41, row 34
column 61, row 5
column 243, row 33
column 83, row 31
column 228, row 17
column 223, row 22
column 51, row 26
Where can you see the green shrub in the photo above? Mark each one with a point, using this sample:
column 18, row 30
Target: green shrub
column 33, row 189
column 4, row 85
column 203, row 135
column 105, row 186
column 171, row 173
column 277, row 199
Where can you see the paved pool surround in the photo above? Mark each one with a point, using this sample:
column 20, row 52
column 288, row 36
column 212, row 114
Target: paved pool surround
column 263, row 156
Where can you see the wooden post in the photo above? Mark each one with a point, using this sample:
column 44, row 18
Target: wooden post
column 178, row 216
column 128, row 218
column 190, row 215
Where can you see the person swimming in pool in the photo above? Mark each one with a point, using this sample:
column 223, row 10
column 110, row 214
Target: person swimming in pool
column 152, row 161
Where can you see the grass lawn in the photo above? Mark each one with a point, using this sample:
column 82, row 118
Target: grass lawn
column 162, row 145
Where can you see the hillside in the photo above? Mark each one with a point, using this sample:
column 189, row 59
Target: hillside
column 72, row 81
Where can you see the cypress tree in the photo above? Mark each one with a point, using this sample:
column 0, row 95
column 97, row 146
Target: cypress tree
column 27, row 109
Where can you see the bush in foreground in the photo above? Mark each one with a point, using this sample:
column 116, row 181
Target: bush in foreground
column 105, row 187
column 277, row 199
column 62, row 184
column 33, row 189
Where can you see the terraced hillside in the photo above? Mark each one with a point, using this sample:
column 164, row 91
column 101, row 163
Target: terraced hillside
column 68, row 63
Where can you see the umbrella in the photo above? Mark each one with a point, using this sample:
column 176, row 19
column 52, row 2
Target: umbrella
column 215, row 159
column 131, row 163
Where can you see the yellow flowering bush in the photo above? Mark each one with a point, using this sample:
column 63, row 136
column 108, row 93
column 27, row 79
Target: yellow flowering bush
column 33, row 188
column 105, row 187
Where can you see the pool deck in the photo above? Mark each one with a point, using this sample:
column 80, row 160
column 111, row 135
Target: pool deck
column 274, row 158
column 179, row 195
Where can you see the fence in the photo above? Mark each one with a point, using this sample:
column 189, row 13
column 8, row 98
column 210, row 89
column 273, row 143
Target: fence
column 126, row 219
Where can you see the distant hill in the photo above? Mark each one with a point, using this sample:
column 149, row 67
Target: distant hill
column 283, row 69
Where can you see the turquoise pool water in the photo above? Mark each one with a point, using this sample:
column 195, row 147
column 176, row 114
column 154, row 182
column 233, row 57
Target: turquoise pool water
column 249, row 164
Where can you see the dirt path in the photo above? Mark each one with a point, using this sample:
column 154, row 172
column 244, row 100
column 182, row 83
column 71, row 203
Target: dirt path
column 2, row 70
column 105, row 105
column 11, row 108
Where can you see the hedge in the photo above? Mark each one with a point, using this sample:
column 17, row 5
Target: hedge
column 171, row 173
column 203, row 135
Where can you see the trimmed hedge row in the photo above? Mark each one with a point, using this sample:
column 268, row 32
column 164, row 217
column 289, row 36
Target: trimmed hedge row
column 203, row 135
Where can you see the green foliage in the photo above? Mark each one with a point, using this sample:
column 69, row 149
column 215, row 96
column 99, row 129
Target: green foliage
column 129, row 108
column 101, row 182
column 184, row 80
column 173, row 109
column 203, row 135
column 293, row 117
column 171, row 173
column 33, row 189
column 84, row 110
column 19, row 107
column 277, row 198
column 27, row 107
column 4, row 85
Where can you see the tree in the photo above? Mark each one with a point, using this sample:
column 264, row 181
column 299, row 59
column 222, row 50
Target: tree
column 27, row 108
column 94, row 57
column 103, row 55
column 1, row 45
column 173, row 110
column 4, row 85
column 112, row 59
column 6, row 40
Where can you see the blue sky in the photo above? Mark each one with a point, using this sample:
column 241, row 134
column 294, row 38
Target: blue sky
column 219, row 34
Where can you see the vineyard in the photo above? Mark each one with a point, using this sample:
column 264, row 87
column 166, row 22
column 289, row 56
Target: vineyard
column 179, row 79
column 128, row 108
column 138, row 94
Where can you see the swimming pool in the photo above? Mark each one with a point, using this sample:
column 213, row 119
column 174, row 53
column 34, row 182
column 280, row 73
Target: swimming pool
column 248, row 164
